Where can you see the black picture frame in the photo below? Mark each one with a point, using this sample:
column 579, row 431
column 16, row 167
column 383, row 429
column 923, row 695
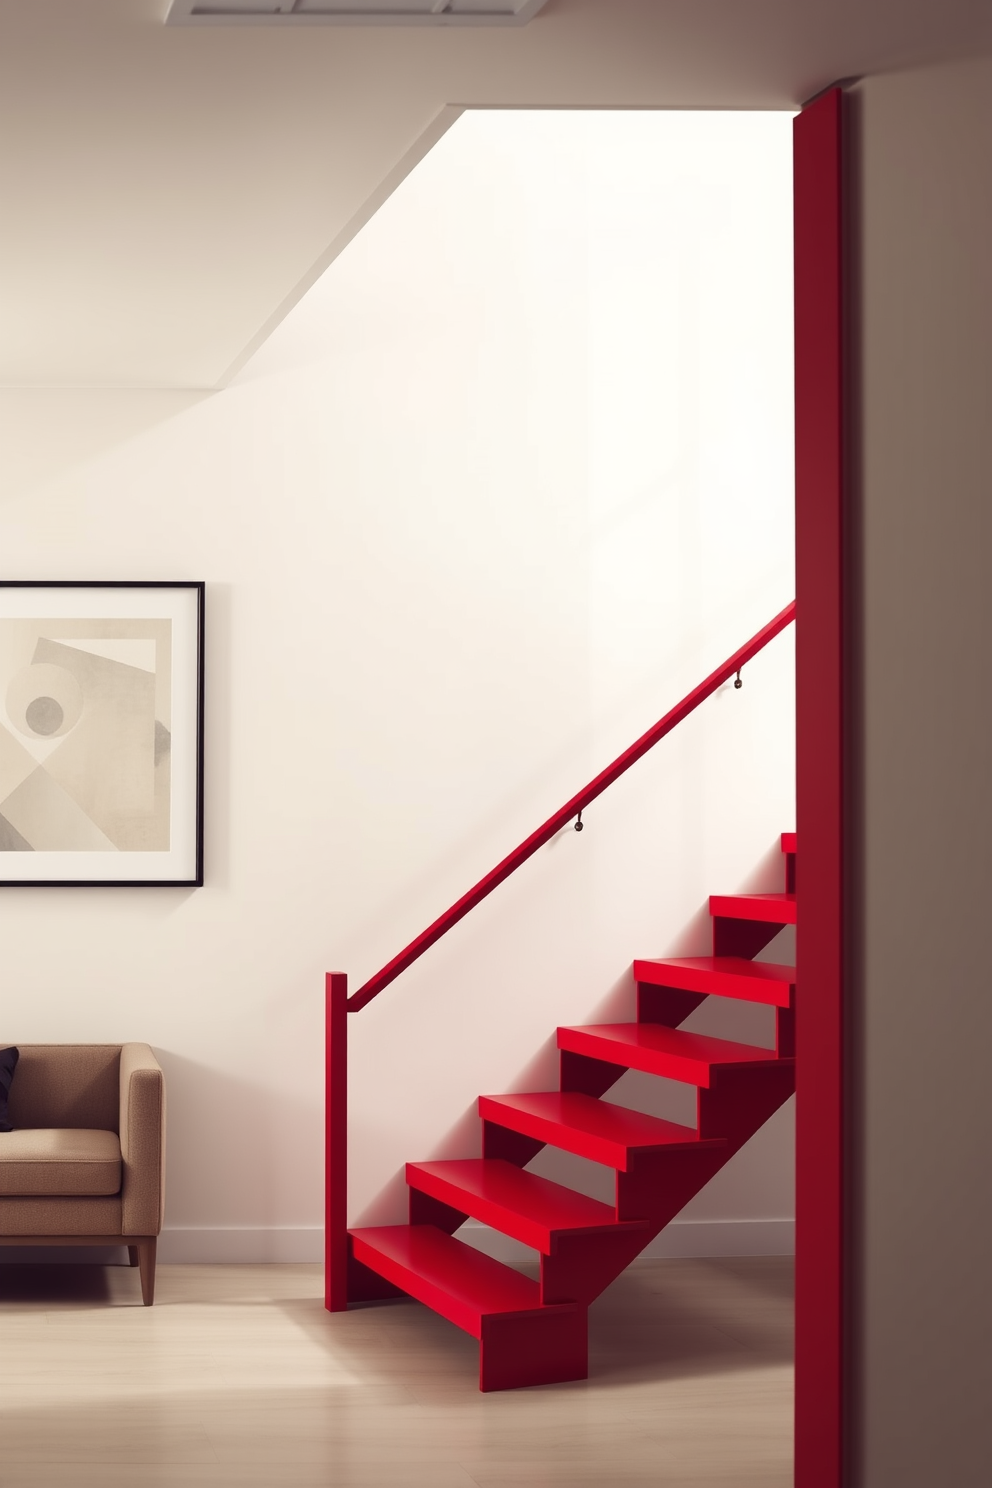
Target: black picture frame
column 82, row 779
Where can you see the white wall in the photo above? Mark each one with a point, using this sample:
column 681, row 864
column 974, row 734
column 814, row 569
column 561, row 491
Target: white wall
column 510, row 480
column 922, row 1016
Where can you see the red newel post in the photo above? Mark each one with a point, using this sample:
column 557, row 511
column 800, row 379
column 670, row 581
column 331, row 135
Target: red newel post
column 820, row 802
column 336, row 1144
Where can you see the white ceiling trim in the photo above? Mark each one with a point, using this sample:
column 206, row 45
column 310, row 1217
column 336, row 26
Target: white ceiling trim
column 352, row 12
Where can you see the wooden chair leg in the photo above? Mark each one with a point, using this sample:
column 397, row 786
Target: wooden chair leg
column 146, row 1269
column 132, row 1255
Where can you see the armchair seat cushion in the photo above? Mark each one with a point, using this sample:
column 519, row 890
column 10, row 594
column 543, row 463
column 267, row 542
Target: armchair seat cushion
column 59, row 1161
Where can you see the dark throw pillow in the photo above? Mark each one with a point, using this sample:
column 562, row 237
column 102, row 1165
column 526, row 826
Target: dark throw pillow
column 8, row 1061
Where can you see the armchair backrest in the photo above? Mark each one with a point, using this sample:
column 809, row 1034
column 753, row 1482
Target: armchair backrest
column 67, row 1085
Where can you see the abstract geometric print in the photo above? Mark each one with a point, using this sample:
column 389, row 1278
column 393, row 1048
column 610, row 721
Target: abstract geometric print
column 85, row 734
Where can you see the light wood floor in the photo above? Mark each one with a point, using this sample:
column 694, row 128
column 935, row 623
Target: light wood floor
column 237, row 1376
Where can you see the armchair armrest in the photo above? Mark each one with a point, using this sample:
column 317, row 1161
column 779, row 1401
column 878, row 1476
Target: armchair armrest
column 142, row 1133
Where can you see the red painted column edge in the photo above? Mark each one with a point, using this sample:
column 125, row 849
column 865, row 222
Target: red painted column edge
column 819, row 308
column 336, row 1143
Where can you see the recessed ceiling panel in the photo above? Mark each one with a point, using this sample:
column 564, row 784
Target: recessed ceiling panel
column 352, row 12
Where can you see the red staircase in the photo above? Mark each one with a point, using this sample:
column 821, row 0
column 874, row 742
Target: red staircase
column 534, row 1332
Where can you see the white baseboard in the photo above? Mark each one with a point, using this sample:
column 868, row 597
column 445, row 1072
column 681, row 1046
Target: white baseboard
column 188, row 1245
column 685, row 1237
column 237, row 1245
column 240, row 1245
column 725, row 1237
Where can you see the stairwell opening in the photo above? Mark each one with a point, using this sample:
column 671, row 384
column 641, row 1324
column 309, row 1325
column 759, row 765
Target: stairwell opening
column 559, row 360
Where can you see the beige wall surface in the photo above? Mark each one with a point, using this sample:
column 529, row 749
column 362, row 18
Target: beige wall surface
column 506, row 484
column 922, row 1241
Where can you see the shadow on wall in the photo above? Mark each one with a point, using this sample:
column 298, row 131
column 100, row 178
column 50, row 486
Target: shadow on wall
column 464, row 1137
column 766, row 877
column 47, row 432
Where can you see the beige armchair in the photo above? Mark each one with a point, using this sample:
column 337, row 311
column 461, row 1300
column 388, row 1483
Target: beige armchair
column 84, row 1164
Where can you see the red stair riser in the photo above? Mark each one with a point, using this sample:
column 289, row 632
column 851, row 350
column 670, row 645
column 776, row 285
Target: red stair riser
column 739, row 1103
column 586, row 1076
column 365, row 1285
column 785, row 1033
column 511, row 1146
column 744, row 938
column 656, row 1188
column 426, row 1208
column 538, row 1348
column 584, row 1265
column 669, row 1006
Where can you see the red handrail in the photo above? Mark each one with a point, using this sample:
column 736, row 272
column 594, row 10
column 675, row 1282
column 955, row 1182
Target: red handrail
column 571, row 808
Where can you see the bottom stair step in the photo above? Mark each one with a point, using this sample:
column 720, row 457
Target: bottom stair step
column 451, row 1277
column 522, row 1343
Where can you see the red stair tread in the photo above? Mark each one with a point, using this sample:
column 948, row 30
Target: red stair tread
column 777, row 909
column 788, row 842
column 581, row 1124
column 722, row 976
column 457, row 1281
column 530, row 1208
column 670, row 1052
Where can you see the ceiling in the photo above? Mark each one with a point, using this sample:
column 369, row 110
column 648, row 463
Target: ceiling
column 169, row 192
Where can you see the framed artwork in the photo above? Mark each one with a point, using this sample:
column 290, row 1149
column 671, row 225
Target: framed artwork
column 101, row 733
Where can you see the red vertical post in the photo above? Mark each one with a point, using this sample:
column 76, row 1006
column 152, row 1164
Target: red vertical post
column 336, row 1143
column 819, row 308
